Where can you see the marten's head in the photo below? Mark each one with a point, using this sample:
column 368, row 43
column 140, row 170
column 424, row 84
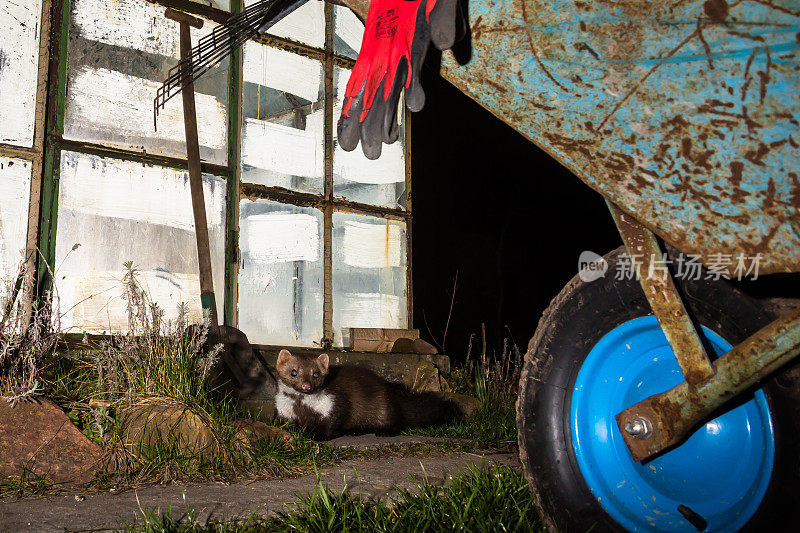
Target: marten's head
column 303, row 373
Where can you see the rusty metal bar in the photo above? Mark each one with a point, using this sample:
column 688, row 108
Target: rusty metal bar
column 656, row 280
column 671, row 415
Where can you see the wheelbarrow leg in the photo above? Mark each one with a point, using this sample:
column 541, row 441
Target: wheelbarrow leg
column 663, row 420
column 650, row 267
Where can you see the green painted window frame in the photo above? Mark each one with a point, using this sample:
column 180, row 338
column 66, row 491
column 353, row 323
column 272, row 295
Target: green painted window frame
column 50, row 142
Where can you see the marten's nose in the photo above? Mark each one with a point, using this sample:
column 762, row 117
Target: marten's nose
column 306, row 386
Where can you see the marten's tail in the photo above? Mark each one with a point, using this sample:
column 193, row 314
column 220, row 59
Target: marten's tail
column 427, row 409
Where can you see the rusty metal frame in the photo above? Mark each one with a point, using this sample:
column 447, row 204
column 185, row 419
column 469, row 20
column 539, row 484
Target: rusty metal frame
column 233, row 193
column 663, row 420
column 656, row 281
column 328, row 334
column 675, row 413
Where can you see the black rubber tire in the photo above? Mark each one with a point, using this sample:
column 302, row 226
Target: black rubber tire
column 575, row 321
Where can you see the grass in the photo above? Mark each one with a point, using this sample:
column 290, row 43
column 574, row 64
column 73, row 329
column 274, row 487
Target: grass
column 493, row 378
column 162, row 362
column 481, row 500
column 29, row 337
column 492, row 425
column 27, row 483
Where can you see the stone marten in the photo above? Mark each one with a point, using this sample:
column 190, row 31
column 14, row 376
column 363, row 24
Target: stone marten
column 336, row 400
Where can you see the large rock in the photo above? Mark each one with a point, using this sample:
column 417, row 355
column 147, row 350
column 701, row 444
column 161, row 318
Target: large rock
column 40, row 437
column 164, row 424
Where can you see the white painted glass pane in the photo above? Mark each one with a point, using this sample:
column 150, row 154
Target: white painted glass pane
column 283, row 108
column 119, row 54
column 348, row 33
column 381, row 182
column 111, row 212
column 15, row 184
column 281, row 275
column 305, row 24
column 225, row 5
column 369, row 274
column 20, row 24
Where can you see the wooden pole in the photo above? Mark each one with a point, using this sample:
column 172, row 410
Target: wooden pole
column 195, row 173
column 207, row 298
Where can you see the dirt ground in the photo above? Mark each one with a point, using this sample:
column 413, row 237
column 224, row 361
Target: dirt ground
column 109, row 511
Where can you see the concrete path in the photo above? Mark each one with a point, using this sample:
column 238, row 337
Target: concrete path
column 108, row 511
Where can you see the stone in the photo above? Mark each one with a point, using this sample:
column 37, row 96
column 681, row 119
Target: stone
column 372, row 441
column 164, row 423
column 466, row 404
column 250, row 430
column 378, row 339
column 419, row 346
column 426, row 378
column 39, row 436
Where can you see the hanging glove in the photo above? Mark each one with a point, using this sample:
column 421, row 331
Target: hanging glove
column 396, row 38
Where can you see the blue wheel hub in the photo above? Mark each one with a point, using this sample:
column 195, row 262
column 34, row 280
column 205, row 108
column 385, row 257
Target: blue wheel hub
column 721, row 472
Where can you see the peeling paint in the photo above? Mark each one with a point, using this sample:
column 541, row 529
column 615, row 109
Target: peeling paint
column 369, row 273
column 378, row 182
column 15, row 182
column 115, row 109
column 283, row 71
column 281, row 149
column 19, row 66
column 121, row 211
column 281, row 273
column 118, row 55
column 371, row 245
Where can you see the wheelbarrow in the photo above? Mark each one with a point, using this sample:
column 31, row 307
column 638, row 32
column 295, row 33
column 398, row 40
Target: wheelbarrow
column 656, row 395
column 648, row 400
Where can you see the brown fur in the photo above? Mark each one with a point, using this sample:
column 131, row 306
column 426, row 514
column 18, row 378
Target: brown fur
column 359, row 400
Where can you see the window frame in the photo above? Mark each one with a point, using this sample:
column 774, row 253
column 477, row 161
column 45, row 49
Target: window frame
column 49, row 142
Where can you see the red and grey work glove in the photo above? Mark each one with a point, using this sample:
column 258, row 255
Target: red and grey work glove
column 396, row 38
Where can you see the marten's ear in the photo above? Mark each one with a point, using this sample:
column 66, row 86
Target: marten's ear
column 283, row 358
column 323, row 361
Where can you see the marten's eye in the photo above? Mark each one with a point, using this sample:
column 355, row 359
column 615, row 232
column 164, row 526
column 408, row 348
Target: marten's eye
column 316, row 374
column 294, row 372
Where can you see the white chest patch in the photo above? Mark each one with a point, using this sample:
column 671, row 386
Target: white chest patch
column 319, row 402
column 284, row 402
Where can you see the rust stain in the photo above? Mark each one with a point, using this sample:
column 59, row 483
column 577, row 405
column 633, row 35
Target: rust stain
column 769, row 195
column 737, row 195
column 757, row 156
column 795, row 192
column 765, row 76
column 535, row 53
column 643, row 79
column 496, row 86
column 716, row 10
column 706, row 47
